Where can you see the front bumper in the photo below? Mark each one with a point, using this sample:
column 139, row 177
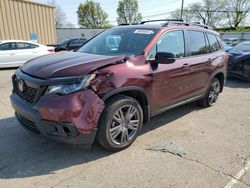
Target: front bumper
column 70, row 119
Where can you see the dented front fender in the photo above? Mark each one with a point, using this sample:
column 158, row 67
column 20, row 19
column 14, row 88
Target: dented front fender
column 83, row 109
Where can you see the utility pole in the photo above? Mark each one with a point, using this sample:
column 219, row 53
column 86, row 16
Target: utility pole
column 182, row 3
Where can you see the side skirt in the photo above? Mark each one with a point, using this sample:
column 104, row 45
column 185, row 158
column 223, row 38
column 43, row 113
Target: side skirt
column 154, row 113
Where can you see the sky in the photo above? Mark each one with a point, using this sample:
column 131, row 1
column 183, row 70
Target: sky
column 150, row 9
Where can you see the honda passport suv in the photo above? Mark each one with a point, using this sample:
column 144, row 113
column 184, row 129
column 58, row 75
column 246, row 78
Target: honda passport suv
column 113, row 84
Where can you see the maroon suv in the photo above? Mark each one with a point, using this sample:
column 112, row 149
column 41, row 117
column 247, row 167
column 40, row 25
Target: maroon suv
column 117, row 81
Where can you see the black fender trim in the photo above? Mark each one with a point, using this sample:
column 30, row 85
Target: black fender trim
column 213, row 76
column 130, row 88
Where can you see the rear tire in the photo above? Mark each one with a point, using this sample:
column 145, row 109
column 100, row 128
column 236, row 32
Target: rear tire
column 120, row 123
column 211, row 95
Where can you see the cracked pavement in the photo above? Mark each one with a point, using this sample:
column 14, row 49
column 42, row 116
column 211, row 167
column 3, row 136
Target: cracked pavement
column 216, row 142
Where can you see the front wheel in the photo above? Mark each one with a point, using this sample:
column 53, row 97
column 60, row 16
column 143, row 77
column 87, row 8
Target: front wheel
column 120, row 123
column 212, row 94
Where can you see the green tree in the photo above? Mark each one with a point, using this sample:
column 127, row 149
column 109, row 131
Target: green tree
column 187, row 15
column 208, row 12
column 128, row 12
column 60, row 17
column 91, row 15
column 237, row 11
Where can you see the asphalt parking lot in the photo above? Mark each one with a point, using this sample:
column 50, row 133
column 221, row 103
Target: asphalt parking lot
column 216, row 143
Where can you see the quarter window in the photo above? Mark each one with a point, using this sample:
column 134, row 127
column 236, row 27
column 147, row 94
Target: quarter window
column 197, row 43
column 214, row 44
column 172, row 42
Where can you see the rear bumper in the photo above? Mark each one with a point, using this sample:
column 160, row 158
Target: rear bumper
column 61, row 121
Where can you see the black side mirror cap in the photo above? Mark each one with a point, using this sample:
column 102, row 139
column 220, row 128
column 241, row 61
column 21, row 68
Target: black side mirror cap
column 164, row 58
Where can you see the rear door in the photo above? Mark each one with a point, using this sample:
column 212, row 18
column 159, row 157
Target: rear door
column 26, row 51
column 199, row 62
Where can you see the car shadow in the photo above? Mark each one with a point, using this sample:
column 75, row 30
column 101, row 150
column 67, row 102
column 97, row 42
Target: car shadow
column 237, row 83
column 23, row 154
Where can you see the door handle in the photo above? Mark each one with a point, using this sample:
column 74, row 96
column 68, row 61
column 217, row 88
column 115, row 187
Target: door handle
column 12, row 53
column 185, row 65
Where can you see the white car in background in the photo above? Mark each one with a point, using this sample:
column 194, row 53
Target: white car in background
column 14, row 53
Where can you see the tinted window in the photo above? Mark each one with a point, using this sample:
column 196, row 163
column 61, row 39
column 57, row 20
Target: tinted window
column 172, row 42
column 214, row 44
column 8, row 46
column 74, row 42
column 197, row 43
column 23, row 45
column 81, row 41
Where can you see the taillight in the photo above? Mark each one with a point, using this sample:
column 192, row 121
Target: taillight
column 51, row 50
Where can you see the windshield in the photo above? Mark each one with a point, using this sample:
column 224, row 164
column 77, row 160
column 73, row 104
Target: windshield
column 119, row 41
column 241, row 47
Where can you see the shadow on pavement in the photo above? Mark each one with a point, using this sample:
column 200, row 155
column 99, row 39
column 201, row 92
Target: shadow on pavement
column 23, row 154
column 237, row 83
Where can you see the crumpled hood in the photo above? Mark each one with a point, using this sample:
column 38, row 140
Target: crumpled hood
column 65, row 64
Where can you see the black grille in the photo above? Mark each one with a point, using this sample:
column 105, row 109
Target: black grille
column 28, row 94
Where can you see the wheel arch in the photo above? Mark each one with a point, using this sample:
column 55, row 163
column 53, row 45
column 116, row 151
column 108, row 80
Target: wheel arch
column 135, row 92
column 220, row 75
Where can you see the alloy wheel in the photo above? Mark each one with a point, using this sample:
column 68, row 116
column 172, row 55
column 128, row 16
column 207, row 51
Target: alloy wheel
column 124, row 125
column 214, row 93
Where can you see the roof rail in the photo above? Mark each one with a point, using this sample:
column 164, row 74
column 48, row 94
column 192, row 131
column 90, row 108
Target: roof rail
column 178, row 22
column 201, row 25
column 166, row 20
column 188, row 24
column 123, row 24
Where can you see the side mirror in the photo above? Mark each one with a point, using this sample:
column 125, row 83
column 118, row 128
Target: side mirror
column 164, row 58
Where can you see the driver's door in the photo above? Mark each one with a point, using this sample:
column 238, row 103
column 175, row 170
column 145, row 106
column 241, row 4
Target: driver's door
column 170, row 82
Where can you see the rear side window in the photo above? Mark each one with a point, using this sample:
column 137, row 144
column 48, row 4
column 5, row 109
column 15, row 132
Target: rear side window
column 23, row 45
column 214, row 44
column 197, row 44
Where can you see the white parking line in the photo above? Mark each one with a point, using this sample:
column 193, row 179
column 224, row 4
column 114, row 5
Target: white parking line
column 238, row 176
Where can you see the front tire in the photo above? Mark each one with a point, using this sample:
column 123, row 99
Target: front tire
column 211, row 95
column 120, row 123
